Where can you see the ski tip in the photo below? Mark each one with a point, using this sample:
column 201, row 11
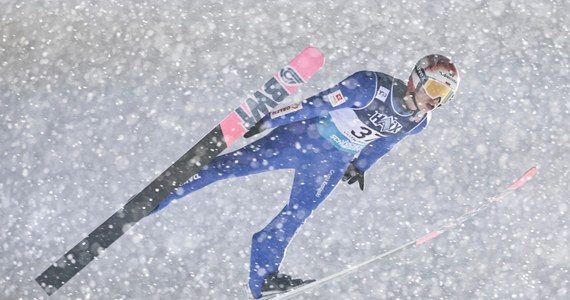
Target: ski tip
column 306, row 64
column 315, row 54
column 528, row 175
column 532, row 171
column 314, row 51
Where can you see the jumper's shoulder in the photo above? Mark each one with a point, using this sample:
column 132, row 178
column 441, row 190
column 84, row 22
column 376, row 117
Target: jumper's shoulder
column 360, row 87
column 374, row 79
column 364, row 78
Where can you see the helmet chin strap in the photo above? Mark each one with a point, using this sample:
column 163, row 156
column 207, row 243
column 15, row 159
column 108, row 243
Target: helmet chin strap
column 417, row 113
column 413, row 95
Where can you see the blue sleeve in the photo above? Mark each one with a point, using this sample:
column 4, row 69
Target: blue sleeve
column 355, row 91
column 375, row 150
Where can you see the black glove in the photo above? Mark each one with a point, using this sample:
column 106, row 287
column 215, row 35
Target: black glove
column 257, row 128
column 353, row 175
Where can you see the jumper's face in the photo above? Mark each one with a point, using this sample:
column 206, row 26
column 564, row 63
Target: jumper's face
column 424, row 102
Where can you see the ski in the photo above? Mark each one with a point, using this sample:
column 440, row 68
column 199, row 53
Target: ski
column 529, row 174
column 230, row 129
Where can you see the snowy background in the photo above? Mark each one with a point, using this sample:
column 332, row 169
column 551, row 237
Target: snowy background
column 99, row 97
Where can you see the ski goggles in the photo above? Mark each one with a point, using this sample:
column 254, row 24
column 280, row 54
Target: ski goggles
column 435, row 89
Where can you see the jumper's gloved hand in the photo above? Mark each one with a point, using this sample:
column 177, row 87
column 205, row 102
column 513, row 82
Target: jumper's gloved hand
column 257, row 128
column 353, row 175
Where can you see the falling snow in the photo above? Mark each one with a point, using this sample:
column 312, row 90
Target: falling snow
column 98, row 97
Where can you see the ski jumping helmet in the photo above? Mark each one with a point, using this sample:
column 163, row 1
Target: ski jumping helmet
column 437, row 75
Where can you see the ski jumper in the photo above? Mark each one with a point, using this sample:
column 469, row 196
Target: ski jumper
column 358, row 120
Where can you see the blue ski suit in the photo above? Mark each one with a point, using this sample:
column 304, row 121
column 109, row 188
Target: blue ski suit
column 356, row 121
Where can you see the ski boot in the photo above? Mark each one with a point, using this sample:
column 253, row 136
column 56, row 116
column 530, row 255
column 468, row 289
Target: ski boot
column 276, row 283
